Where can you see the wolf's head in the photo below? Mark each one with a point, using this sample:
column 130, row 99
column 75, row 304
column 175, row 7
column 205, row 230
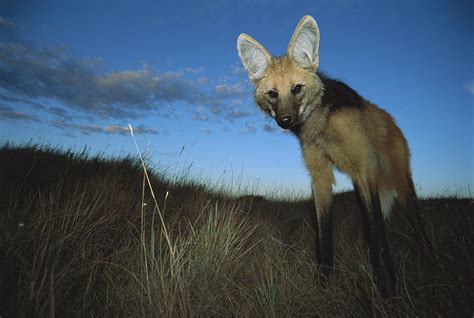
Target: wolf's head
column 287, row 87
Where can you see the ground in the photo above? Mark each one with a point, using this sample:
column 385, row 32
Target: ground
column 84, row 236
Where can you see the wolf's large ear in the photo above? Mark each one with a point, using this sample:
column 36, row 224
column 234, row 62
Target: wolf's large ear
column 254, row 56
column 304, row 44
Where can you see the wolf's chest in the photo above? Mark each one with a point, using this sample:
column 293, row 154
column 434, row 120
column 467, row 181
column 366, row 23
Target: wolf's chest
column 335, row 150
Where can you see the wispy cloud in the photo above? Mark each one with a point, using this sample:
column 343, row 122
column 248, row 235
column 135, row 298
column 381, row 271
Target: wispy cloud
column 200, row 114
column 238, row 70
column 60, row 112
column 16, row 100
column 270, row 128
column 140, row 129
column 56, row 74
column 7, row 26
column 28, row 72
column 8, row 113
column 57, row 81
column 194, row 70
column 469, row 86
column 229, row 90
column 236, row 114
column 87, row 129
column 249, row 129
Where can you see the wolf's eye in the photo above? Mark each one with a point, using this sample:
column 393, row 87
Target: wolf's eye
column 297, row 89
column 273, row 94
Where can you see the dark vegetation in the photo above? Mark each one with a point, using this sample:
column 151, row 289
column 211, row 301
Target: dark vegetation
column 82, row 236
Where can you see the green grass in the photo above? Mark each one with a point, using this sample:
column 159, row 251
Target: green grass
column 82, row 236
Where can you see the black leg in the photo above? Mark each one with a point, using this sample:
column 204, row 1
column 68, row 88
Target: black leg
column 323, row 228
column 321, row 170
column 374, row 231
column 413, row 207
column 324, row 252
column 414, row 216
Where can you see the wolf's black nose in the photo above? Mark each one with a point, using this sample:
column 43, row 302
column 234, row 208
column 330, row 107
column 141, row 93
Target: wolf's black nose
column 285, row 121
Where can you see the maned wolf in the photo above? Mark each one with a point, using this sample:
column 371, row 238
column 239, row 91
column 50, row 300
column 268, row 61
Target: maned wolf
column 336, row 127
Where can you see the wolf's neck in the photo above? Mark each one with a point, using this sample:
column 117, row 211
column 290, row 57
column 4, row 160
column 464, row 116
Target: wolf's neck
column 314, row 125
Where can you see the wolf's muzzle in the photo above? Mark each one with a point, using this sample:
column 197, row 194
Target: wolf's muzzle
column 285, row 121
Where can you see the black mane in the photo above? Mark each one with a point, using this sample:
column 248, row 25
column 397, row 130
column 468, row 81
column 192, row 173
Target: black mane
column 338, row 94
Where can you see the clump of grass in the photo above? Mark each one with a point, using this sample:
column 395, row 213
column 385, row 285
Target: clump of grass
column 96, row 236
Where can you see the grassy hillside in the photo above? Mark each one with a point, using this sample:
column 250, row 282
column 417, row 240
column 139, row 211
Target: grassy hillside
column 83, row 236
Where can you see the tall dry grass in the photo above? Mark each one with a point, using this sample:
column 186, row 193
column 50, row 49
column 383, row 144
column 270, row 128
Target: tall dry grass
column 83, row 236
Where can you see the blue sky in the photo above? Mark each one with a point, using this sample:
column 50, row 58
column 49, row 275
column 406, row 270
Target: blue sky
column 75, row 73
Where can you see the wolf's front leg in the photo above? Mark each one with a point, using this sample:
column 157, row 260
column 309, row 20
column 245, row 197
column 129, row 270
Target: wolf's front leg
column 324, row 248
column 321, row 171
